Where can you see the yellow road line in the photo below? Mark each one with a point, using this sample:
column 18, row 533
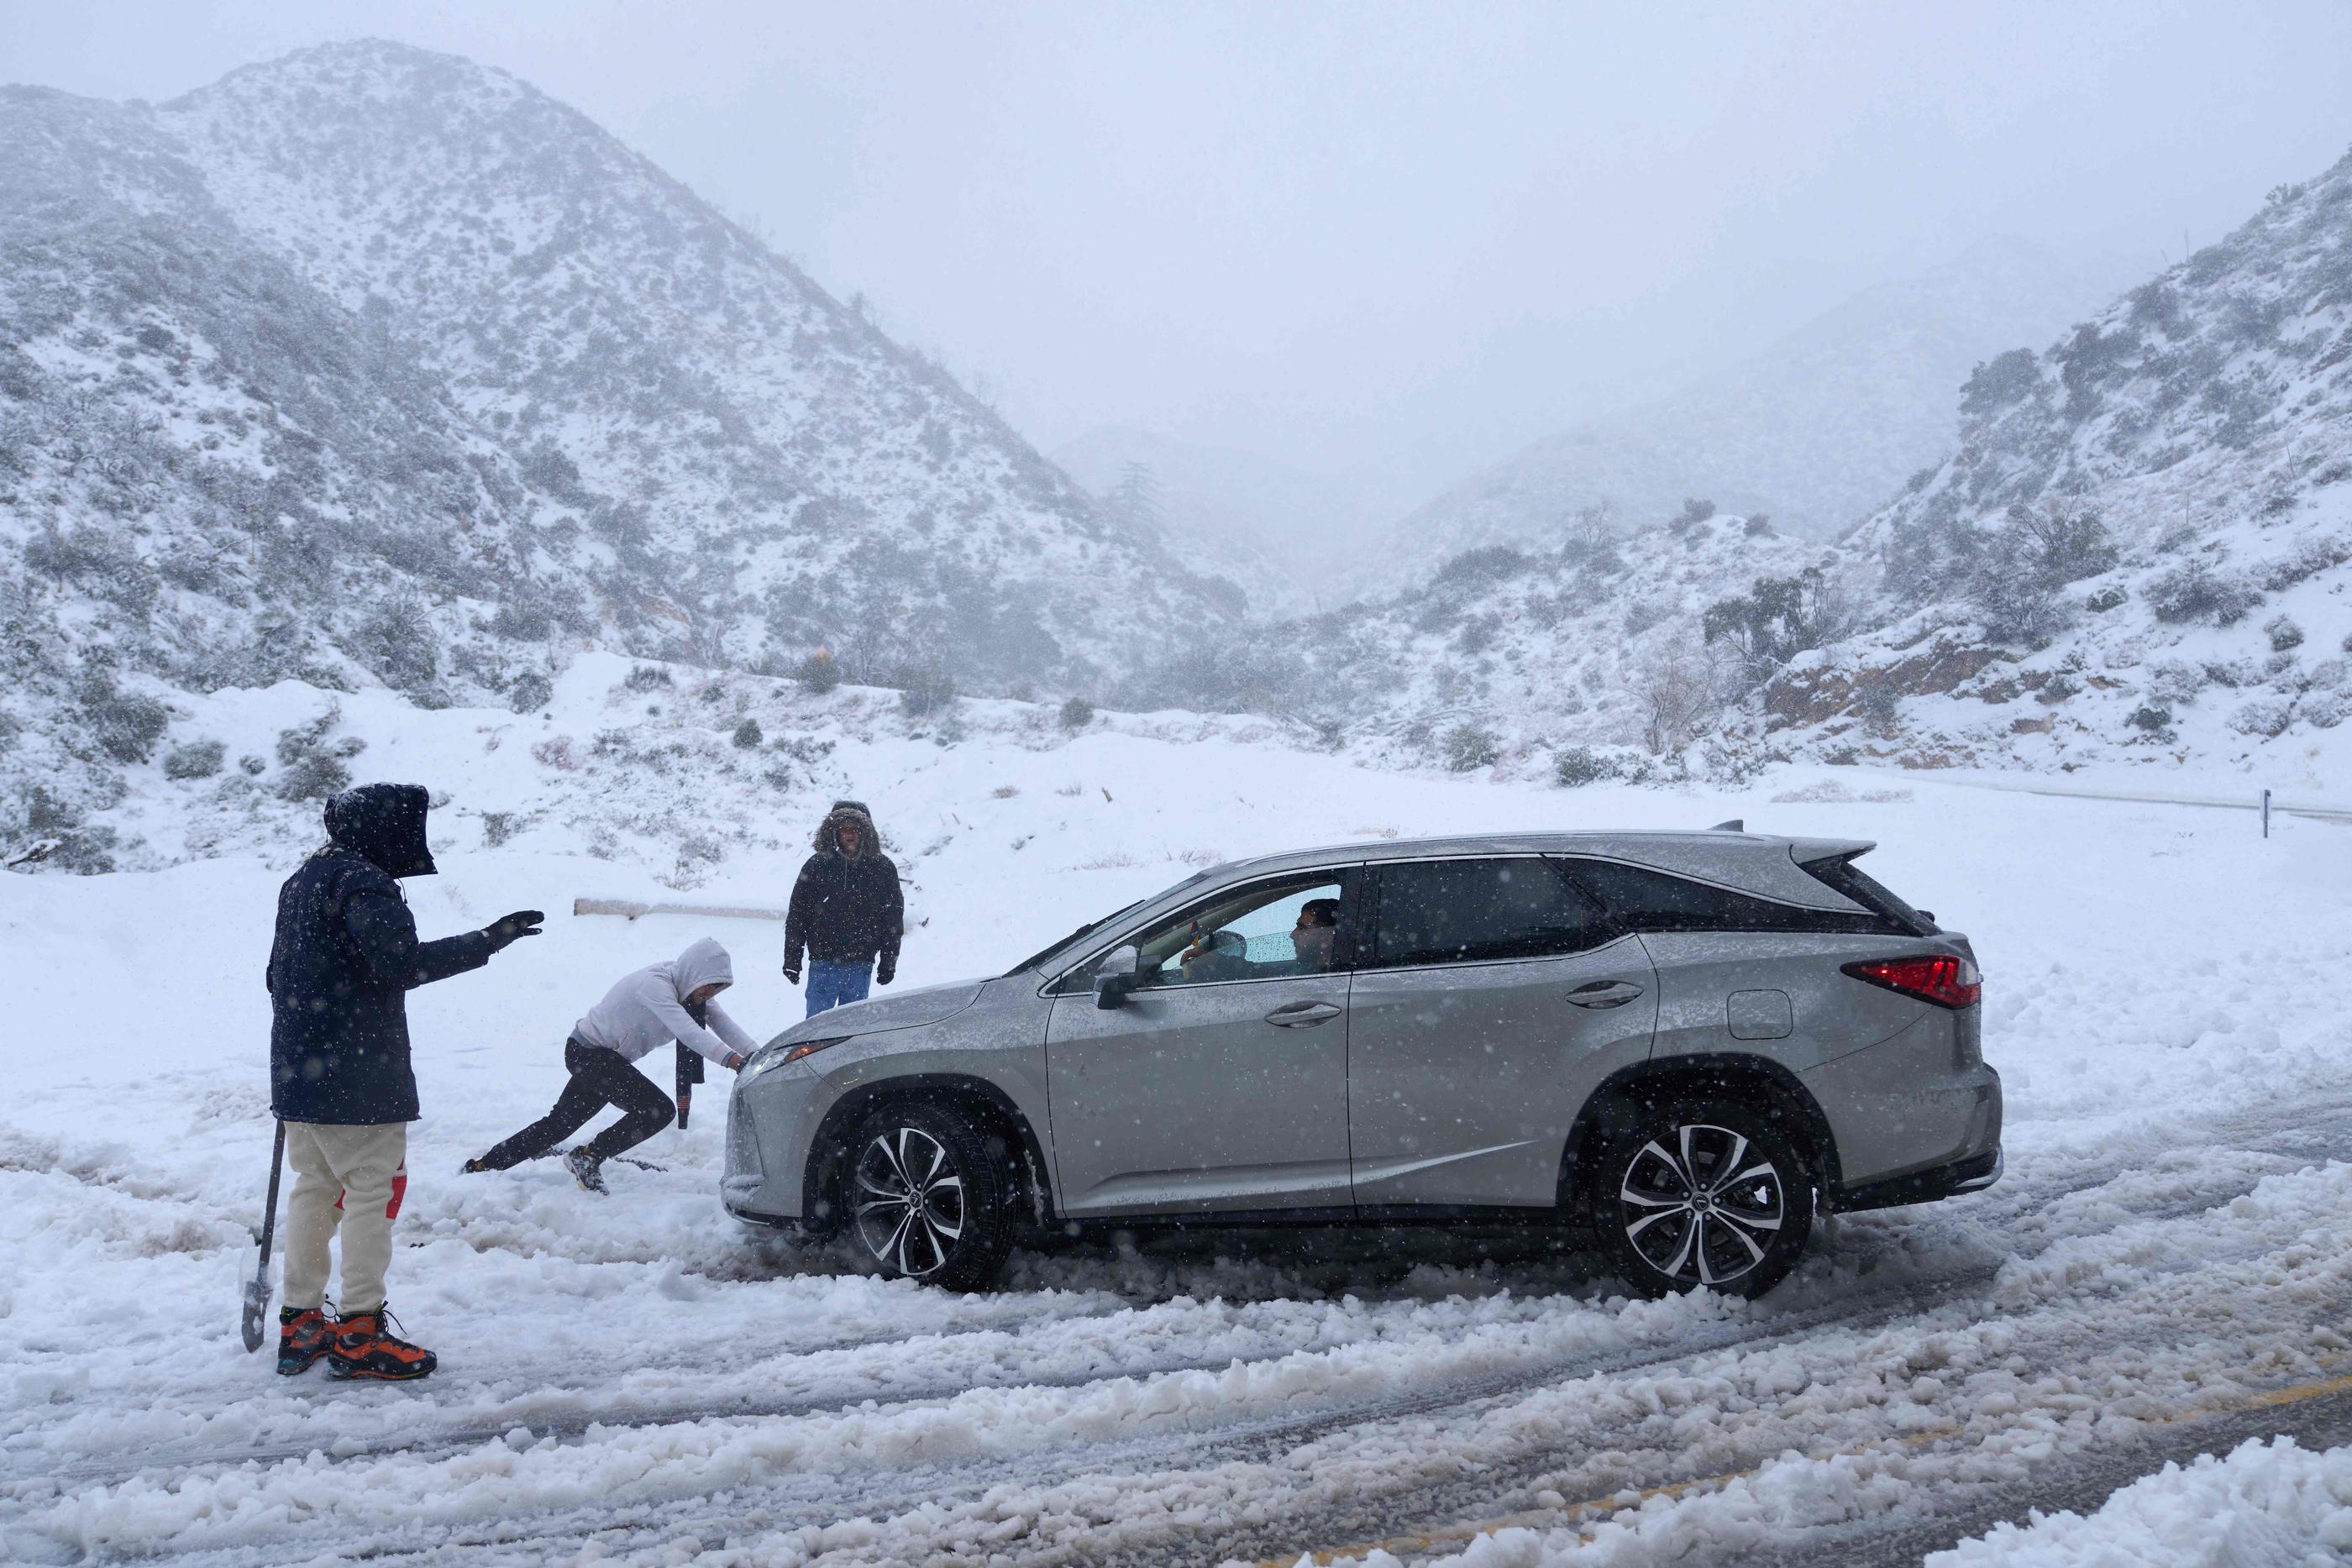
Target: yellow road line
column 1569, row 1514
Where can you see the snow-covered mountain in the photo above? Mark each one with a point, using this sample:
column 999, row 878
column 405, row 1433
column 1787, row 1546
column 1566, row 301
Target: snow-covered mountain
column 1814, row 431
column 1511, row 658
column 1242, row 516
column 2139, row 550
column 374, row 366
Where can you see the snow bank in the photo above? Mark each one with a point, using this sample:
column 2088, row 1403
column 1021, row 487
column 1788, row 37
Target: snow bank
column 2264, row 1503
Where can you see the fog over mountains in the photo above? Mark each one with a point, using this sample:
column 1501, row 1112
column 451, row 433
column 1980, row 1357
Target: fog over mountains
column 1282, row 533
column 1815, row 431
column 372, row 368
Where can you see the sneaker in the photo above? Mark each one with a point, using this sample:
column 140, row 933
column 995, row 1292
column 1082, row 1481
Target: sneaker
column 304, row 1335
column 365, row 1348
column 584, row 1166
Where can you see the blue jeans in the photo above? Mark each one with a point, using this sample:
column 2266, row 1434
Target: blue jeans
column 830, row 985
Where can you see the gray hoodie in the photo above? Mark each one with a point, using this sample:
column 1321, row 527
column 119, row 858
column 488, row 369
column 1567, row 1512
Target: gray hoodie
column 647, row 1010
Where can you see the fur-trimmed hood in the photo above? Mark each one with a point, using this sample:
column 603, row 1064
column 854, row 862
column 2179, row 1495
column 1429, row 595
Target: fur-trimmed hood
column 828, row 841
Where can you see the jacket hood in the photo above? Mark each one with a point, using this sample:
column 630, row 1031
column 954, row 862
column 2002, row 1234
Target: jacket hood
column 384, row 824
column 869, row 842
column 704, row 963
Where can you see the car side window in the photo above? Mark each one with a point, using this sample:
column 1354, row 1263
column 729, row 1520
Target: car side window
column 1640, row 899
column 1453, row 912
column 1277, row 929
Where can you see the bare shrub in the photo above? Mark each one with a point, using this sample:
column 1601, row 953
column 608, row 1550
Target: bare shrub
column 1678, row 689
column 1468, row 747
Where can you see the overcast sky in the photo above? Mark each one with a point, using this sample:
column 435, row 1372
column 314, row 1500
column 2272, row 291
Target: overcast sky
column 1395, row 240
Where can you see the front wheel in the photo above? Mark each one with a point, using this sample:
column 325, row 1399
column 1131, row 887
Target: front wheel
column 1702, row 1192
column 926, row 1200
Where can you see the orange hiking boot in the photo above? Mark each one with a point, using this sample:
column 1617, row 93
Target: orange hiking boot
column 304, row 1335
column 364, row 1347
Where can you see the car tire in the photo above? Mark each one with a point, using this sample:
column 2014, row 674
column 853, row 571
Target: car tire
column 926, row 1198
column 1701, row 1192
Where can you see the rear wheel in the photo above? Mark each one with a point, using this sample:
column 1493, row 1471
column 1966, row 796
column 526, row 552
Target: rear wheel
column 1702, row 1192
column 926, row 1199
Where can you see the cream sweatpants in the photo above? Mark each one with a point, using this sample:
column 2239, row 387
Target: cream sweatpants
column 351, row 1176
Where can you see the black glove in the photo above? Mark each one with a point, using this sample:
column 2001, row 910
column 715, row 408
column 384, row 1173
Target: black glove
column 509, row 929
column 793, row 973
column 886, row 972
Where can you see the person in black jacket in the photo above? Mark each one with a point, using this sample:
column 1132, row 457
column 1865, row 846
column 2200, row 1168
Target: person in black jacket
column 345, row 957
column 846, row 912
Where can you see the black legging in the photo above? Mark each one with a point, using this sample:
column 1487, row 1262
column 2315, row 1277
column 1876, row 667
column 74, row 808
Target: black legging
column 599, row 1078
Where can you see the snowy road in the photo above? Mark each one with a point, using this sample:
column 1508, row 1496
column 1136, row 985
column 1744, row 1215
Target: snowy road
column 2061, row 1331
column 2166, row 1269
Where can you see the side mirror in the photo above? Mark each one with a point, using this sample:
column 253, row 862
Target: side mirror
column 1119, row 974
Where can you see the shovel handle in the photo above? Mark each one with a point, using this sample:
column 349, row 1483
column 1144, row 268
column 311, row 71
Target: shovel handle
column 257, row 1292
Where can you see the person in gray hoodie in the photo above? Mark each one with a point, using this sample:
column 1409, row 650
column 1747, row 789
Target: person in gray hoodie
column 671, row 1000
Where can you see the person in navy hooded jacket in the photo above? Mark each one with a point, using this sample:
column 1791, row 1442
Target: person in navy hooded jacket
column 345, row 958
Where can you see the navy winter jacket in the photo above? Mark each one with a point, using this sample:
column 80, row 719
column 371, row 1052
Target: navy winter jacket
column 344, row 960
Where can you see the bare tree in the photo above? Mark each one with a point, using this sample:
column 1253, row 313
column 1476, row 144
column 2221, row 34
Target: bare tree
column 1135, row 499
column 1680, row 687
column 1590, row 531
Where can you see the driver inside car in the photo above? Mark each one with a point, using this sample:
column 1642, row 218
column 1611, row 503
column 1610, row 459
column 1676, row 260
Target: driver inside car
column 1311, row 938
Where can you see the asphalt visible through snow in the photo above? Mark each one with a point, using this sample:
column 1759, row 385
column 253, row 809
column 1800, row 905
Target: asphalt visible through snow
column 1956, row 1364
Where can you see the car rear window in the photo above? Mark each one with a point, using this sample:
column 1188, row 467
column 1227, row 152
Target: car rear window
column 1845, row 877
column 1639, row 898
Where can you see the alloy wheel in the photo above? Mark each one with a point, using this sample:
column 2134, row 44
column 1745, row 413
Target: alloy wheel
column 1704, row 1210
column 909, row 1205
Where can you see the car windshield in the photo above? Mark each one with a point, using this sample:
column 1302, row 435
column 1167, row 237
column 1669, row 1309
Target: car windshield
column 1037, row 960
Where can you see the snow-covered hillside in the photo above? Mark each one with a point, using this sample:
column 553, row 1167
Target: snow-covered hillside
column 776, row 473
column 1814, row 431
column 379, row 370
column 1526, row 659
column 2139, row 551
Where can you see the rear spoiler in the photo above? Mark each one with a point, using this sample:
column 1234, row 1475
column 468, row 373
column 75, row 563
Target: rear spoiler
column 1812, row 852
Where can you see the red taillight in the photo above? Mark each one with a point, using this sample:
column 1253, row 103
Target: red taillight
column 1936, row 977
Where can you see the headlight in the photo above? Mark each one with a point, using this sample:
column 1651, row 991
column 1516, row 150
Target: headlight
column 774, row 1056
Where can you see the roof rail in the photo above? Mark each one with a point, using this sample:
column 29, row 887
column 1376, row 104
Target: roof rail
column 1736, row 825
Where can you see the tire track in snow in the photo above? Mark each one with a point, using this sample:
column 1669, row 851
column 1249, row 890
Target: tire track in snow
column 1251, row 1441
column 1849, row 1309
column 994, row 1506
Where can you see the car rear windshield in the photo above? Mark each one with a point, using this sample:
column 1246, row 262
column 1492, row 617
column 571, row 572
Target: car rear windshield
column 1845, row 877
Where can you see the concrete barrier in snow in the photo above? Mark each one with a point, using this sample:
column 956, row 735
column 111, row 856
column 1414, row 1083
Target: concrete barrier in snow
column 634, row 909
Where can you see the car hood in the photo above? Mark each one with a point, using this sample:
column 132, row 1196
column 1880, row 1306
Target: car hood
column 905, row 1010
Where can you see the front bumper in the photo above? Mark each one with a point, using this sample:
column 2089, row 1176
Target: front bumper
column 745, row 1188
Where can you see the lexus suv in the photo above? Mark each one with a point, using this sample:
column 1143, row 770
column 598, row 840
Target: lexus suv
column 1684, row 1043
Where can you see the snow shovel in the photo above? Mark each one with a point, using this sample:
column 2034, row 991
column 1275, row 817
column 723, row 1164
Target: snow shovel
column 257, row 1290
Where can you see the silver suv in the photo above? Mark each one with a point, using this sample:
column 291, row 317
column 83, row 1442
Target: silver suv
column 1684, row 1043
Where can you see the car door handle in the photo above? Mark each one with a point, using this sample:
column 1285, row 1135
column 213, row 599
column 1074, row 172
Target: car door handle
column 1301, row 1014
column 1604, row 994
